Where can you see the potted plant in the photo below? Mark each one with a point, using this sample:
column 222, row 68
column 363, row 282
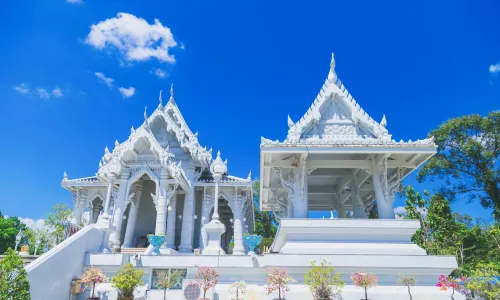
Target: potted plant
column 278, row 280
column 206, row 278
column 238, row 288
column 167, row 279
column 157, row 241
column 447, row 282
column 127, row 280
column 90, row 277
column 364, row 280
column 407, row 281
column 323, row 281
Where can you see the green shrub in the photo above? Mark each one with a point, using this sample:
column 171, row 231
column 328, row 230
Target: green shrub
column 14, row 284
column 323, row 281
column 127, row 280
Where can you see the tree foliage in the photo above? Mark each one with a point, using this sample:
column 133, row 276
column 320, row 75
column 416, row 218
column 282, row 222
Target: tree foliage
column 14, row 284
column 127, row 279
column 265, row 222
column 57, row 220
column 467, row 159
column 323, row 281
column 9, row 228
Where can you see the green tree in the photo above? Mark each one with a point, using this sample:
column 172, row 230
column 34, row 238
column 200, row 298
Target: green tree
column 57, row 220
column 42, row 236
column 265, row 222
column 14, row 278
column 167, row 279
column 485, row 280
column 9, row 228
column 467, row 159
column 127, row 279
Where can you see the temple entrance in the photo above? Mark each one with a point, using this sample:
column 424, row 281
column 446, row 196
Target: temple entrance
column 226, row 217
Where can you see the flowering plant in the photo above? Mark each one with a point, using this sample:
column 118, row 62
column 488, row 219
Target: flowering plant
column 237, row 288
column 322, row 280
column 206, row 278
column 407, row 281
column 92, row 276
column 278, row 280
column 364, row 280
column 445, row 283
column 167, row 279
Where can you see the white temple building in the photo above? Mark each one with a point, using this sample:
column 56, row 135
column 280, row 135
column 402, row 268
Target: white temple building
column 162, row 181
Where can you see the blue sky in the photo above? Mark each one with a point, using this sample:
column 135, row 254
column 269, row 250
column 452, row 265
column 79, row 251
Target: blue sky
column 239, row 67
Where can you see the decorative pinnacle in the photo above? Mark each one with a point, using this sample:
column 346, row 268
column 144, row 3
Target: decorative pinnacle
column 249, row 177
column 116, row 143
column 106, row 150
column 196, row 134
column 160, row 100
column 332, row 63
column 218, row 153
column 290, row 122
column 172, row 94
column 145, row 114
column 384, row 121
column 65, row 176
column 132, row 130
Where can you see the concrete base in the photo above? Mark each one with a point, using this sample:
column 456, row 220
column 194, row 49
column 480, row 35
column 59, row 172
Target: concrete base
column 214, row 231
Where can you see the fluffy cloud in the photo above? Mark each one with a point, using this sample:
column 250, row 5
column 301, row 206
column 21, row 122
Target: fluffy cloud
column 495, row 68
column 33, row 224
column 75, row 1
column 133, row 37
column 108, row 81
column 57, row 92
column 127, row 92
column 400, row 212
column 159, row 73
column 42, row 93
column 22, row 88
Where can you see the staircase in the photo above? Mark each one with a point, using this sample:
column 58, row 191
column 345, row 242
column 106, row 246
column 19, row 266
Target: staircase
column 133, row 250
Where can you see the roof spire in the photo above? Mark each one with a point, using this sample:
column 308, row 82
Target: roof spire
column 106, row 150
column 172, row 94
column 249, row 177
column 65, row 176
column 290, row 122
column 116, row 143
column 145, row 114
column 160, row 105
column 384, row 121
column 332, row 76
column 132, row 130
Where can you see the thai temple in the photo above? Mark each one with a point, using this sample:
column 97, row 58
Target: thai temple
column 161, row 181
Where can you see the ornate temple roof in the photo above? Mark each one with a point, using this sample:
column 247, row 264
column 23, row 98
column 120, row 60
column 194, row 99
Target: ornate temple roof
column 335, row 118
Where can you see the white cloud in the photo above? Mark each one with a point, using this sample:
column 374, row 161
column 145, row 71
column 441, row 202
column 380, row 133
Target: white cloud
column 134, row 37
column 127, row 93
column 182, row 46
column 75, row 1
column 160, row 73
column 33, row 224
column 495, row 68
column 43, row 93
column 108, row 81
column 57, row 92
column 400, row 210
column 22, row 88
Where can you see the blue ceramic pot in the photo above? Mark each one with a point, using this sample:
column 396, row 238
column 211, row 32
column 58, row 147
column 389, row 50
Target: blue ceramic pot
column 252, row 241
column 156, row 241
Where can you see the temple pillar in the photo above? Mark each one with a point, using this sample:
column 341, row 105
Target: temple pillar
column 300, row 197
column 161, row 204
column 358, row 205
column 96, row 209
column 237, row 209
column 132, row 217
column 119, row 209
column 105, row 214
column 79, row 207
column 206, row 206
column 188, row 214
column 171, row 220
column 384, row 204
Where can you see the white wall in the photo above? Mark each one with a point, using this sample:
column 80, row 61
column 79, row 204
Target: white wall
column 50, row 275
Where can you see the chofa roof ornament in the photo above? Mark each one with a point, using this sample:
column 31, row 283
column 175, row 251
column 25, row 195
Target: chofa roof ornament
column 218, row 167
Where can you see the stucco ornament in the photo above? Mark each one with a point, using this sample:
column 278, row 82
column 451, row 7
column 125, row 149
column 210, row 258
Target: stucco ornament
column 218, row 167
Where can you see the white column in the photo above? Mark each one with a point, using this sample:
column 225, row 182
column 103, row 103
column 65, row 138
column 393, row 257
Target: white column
column 105, row 214
column 79, row 207
column 188, row 214
column 119, row 208
column 96, row 209
column 132, row 217
column 171, row 220
column 358, row 205
column 301, row 201
column 237, row 208
column 206, row 205
column 161, row 205
column 384, row 205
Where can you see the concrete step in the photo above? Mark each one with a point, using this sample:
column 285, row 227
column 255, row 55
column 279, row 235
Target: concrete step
column 133, row 250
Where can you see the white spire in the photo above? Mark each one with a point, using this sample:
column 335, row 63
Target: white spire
column 384, row 121
column 106, row 150
column 116, row 143
column 290, row 122
column 145, row 113
column 160, row 100
column 132, row 130
column 249, row 177
column 332, row 76
column 172, row 94
column 65, row 176
column 332, row 63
